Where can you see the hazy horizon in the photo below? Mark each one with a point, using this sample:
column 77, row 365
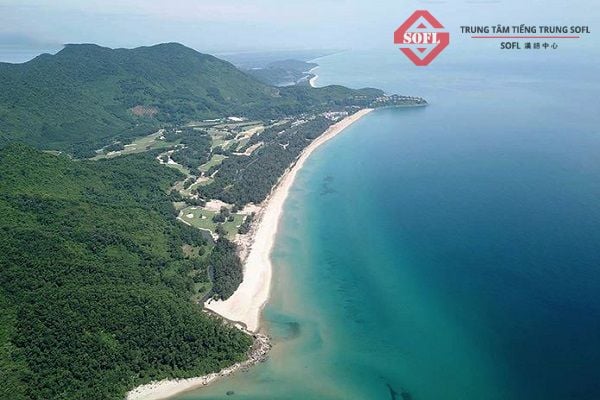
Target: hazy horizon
column 265, row 25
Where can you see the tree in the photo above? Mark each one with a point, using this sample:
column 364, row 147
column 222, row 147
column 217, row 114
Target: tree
column 219, row 230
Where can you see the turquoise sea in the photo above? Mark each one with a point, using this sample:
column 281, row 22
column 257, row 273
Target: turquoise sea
column 443, row 253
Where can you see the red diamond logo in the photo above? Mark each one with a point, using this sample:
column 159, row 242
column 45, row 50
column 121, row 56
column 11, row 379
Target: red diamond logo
column 421, row 38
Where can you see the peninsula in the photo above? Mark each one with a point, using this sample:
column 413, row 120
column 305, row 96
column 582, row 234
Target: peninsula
column 183, row 165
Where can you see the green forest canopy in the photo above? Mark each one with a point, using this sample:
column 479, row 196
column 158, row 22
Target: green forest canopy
column 86, row 96
column 94, row 287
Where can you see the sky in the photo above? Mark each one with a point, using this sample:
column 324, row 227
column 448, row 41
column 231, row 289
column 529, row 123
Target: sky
column 237, row 25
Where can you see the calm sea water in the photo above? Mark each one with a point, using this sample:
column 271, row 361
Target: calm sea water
column 449, row 252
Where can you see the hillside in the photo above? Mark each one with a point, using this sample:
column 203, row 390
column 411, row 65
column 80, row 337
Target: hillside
column 283, row 73
column 84, row 94
column 87, row 96
column 94, row 285
column 99, row 281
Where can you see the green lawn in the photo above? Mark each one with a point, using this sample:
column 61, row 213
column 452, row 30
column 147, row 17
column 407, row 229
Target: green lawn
column 203, row 183
column 215, row 160
column 193, row 215
column 234, row 125
column 139, row 145
column 179, row 205
column 202, row 124
column 179, row 167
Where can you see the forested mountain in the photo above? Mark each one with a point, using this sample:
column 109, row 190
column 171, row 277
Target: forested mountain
column 283, row 73
column 98, row 280
column 87, row 96
column 87, row 93
column 94, row 285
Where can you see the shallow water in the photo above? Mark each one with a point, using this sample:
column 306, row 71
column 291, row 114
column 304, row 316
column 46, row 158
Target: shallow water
column 449, row 252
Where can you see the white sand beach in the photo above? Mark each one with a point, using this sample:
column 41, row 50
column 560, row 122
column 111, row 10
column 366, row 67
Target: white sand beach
column 248, row 300
column 313, row 81
column 246, row 304
column 170, row 387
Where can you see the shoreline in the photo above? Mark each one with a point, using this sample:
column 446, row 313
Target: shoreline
column 312, row 82
column 244, row 307
column 246, row 304
column 167, row 388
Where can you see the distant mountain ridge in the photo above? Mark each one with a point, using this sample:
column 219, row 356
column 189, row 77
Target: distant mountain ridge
column 84, row 93
column 87, row 96
column 284, row 73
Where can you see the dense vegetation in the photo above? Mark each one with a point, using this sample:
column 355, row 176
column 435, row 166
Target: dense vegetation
column 94, row 286
column 87, row 96
column 243, row 179
column 245, row 226
column 97, row 276
column 283, row 73
column 197, row 147
column 226, row 268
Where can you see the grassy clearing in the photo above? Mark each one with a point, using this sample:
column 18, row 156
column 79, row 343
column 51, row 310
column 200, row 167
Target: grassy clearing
column 202, row 219
column 202, row 124
column 202, row 183
column 253, row 130
column 215, row 160
column 217, row 142
column 179, row 205
column 206, row 182
column 236, row 125
column 139, row 145
column 179, row 167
